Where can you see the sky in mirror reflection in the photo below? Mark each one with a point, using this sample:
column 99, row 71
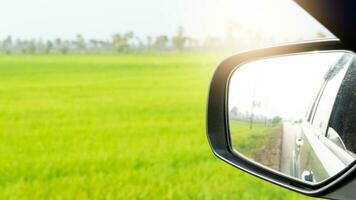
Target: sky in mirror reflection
column 294, row 85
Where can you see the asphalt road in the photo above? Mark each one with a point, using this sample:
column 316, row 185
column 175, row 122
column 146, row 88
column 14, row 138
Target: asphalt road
column 288, row 141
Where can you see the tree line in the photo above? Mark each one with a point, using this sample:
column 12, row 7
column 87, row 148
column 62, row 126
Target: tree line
column 118, row 43
column 129, row 42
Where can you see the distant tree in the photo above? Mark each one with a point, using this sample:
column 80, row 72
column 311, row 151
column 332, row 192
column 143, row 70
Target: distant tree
column 180, row 39
column 276, row 120
column 7, row 43
column 31, row 47
column 93, row 43
column 104, row 44
column 80, row 42
column 149, row 41
column 121, row 42
column 64, row 48
column 129, row 35
column 61, row 46
column 58, row 42
column 18, row 45
column 161, row 42
column 27, row 47
column 49, row 47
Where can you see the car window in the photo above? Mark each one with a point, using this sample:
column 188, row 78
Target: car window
column 344, row 113
column 325, row 105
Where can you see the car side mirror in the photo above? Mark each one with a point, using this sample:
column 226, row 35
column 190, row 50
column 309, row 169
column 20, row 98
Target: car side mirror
column 288, row 115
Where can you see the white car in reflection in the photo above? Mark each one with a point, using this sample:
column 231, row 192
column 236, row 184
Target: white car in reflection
column 325, row 139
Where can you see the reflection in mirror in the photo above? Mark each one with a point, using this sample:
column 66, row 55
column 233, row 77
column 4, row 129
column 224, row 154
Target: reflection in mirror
column 296, row 114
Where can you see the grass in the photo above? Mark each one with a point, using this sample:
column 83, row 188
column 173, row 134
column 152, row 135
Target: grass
column 113, row 127
column 261, row 143
column 250, row 141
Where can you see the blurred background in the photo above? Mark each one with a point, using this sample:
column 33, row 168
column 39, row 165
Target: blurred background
column 108, row 26
column 106, row 99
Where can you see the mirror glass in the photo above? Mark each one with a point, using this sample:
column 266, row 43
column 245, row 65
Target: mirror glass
column 296, row 114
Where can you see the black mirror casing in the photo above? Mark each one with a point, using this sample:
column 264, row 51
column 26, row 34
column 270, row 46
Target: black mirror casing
column 339, row 187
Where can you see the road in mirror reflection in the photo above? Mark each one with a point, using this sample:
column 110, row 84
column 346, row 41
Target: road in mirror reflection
column 293, row 113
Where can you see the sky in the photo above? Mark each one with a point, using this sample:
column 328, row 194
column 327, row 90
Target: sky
column 285, row 86
column 99, row 19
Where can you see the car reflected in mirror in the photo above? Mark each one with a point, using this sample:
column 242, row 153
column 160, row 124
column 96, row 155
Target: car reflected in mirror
column 295, row 114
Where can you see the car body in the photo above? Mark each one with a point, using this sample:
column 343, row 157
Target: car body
column 319, row 151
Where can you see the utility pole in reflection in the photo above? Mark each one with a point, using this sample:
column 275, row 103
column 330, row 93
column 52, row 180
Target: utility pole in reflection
column 265, row 120
column 254, row 104
column 251, row 121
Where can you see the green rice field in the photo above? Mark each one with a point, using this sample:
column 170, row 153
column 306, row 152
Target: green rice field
column 113, row 127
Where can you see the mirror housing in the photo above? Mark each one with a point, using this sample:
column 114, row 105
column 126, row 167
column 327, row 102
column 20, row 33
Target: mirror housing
column 339, row 186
